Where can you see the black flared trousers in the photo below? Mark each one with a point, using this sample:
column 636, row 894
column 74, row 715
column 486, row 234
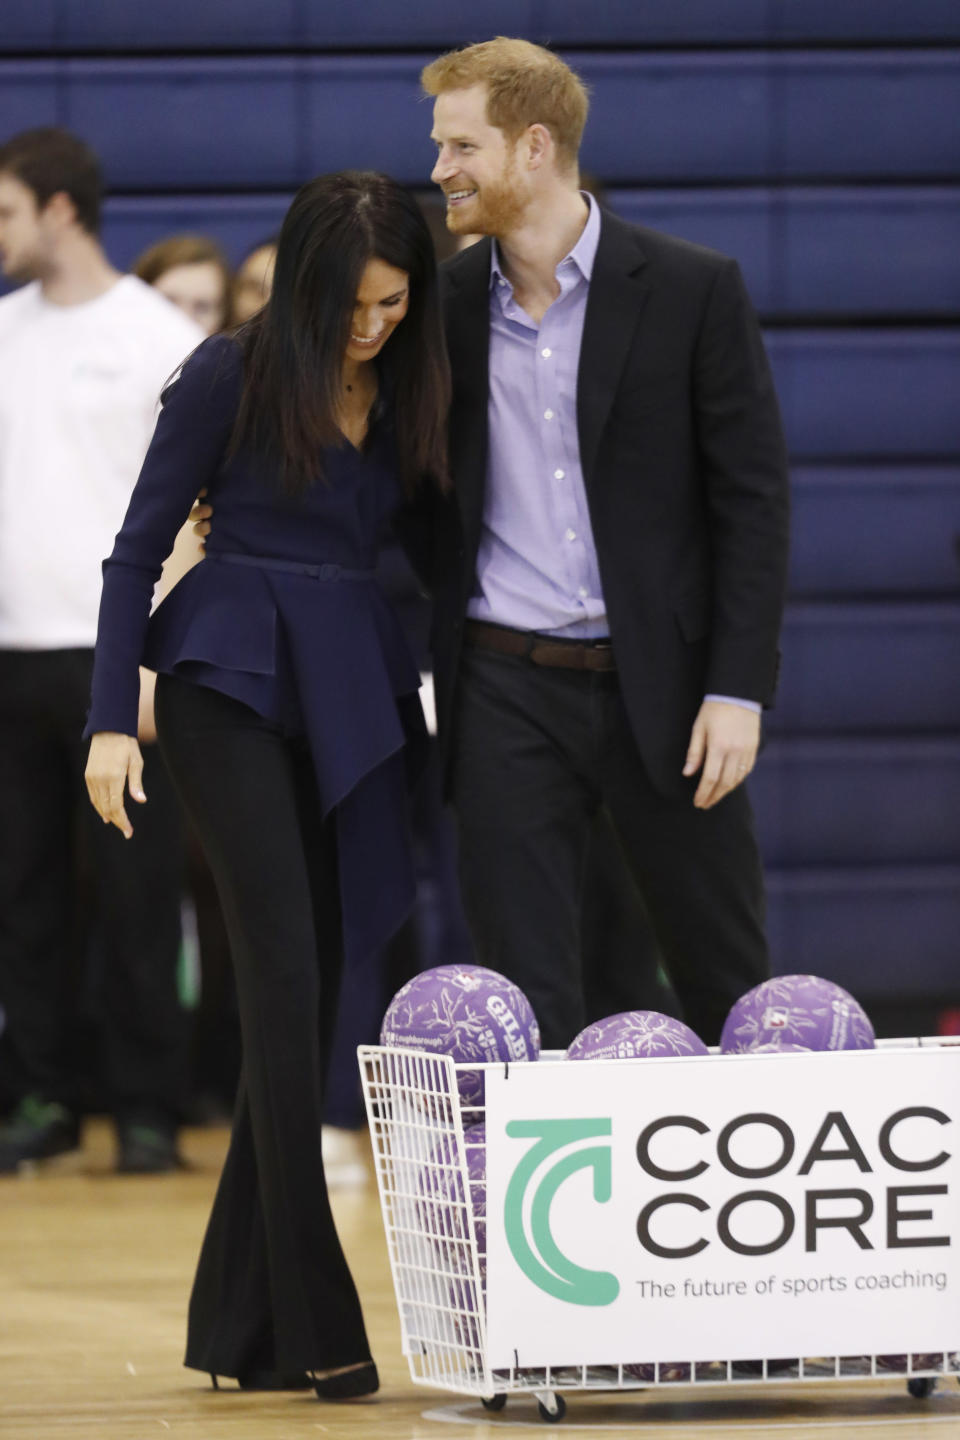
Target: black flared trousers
column 273, row 1290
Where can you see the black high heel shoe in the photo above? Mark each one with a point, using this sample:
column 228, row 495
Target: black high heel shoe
column 348, row 1384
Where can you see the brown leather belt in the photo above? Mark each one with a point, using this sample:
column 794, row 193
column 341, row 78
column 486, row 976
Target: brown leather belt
column 540, row 649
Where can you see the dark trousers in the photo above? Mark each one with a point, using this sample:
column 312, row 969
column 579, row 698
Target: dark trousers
column 620, row 959
column 46, row 825
column 272, row 1289
column 537, row 753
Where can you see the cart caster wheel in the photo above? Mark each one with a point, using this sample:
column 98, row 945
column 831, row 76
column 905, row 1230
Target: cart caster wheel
column 922, row 1387
column 555, row 1415
column 494, row 1402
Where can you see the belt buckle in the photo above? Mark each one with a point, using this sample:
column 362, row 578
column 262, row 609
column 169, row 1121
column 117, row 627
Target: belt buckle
column 328, row 572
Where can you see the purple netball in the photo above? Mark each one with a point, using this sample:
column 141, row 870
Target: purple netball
column 443, row 1183
column 635, row 1035
column 443, row 1218
column 803, row 1010
column 467, row 1012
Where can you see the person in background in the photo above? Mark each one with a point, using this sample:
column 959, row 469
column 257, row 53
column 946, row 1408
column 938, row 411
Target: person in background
column 194, row 274
column 288, row 713
column 254, row 280
column 84, row 353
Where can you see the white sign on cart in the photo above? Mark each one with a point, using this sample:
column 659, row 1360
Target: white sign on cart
column 724, row 1207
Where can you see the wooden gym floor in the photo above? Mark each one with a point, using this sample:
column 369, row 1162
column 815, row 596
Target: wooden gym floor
column 94, row 1274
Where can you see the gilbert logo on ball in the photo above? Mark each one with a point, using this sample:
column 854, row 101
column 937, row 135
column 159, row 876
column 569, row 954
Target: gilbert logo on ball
column 467, row 1012
column 527, row 1219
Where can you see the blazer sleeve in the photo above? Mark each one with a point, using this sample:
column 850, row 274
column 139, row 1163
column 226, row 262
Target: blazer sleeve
column 193, row 428
column 744, row 467
column 419, row 525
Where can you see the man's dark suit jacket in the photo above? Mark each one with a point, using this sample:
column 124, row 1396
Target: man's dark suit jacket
column 685, row 473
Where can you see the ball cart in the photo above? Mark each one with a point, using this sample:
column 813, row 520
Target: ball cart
column 430, row 1152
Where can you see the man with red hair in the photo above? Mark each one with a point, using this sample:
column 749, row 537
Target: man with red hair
column 609, row 596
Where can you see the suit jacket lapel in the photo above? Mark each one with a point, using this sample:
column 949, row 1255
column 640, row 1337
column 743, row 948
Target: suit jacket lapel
column 466, row 282
column 618, row 291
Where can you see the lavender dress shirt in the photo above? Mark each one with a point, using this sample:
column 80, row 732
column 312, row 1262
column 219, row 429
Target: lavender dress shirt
column 537, row 562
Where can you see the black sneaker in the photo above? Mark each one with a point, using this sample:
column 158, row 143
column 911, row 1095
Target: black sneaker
column 37, row 1130
column 147, row 1148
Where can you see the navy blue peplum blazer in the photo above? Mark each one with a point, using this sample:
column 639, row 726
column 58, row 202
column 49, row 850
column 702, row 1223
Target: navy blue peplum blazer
column 283, row 614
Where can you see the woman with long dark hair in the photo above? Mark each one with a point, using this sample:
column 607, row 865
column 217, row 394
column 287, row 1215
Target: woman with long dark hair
column 286, row 699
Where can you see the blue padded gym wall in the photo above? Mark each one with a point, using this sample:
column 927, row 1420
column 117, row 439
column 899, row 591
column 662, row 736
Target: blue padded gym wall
column 817, row 142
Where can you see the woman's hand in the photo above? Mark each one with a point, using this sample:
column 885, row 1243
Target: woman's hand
column 114, row 761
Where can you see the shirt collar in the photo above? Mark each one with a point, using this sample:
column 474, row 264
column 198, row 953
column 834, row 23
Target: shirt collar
column 582, row 255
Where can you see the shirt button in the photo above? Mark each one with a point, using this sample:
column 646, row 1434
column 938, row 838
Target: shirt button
column 583, row 592
column 546, row 352
column 548, row 414
column 570, row 535
column 559, row 474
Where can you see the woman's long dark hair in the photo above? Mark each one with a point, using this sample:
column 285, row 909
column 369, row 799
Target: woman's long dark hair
column 294, row 347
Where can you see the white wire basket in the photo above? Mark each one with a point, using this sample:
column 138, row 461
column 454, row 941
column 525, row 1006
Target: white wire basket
column 435, row 1223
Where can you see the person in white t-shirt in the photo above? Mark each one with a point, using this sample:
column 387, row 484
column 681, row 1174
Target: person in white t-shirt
column 84, row 353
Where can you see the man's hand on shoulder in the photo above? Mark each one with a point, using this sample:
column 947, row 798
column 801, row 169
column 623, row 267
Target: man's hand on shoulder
column 199, row 517
column 146, row 723
column 724, row 742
